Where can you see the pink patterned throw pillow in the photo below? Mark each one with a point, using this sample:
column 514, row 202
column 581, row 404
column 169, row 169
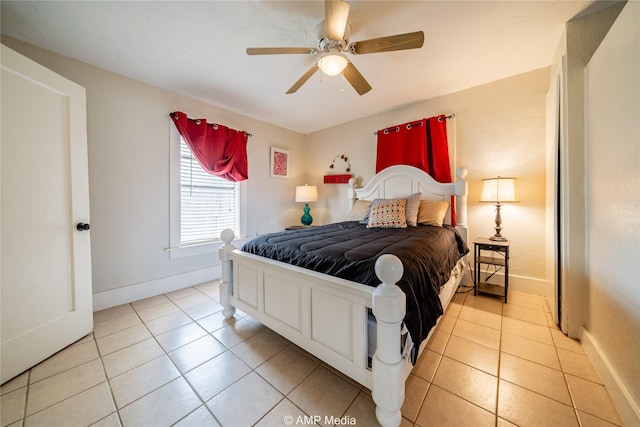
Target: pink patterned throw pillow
column 388, row 213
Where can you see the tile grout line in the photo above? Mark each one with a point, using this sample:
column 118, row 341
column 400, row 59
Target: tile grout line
column 360, row 390
column 564, row 377
column 164, row 354
column 108, row 381
column 229, row 349
column 254, row 370
column 439, row 359
column 499, row 365
column 285, row 396
column 137, row 366
column 25, row 412
column 26, row 399
column 181, row 375
column 251, row 370
column 537, row 363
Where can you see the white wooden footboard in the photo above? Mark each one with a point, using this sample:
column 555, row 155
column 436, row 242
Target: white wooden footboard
column 326, row 316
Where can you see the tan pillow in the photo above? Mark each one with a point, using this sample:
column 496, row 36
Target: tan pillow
column 359, row 210
column 388, row 213
column 413, row 205
column 432, row 212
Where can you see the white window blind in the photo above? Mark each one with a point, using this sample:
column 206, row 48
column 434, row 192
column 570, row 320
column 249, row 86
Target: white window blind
column 208, row 204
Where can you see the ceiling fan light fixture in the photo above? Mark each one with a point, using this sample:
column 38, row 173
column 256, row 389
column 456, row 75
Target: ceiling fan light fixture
column 332, row 64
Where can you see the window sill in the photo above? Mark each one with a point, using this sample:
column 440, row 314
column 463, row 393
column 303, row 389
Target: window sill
column 193, row 250
column 200, row 249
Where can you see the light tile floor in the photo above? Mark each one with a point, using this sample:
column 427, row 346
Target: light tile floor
column 174, row 360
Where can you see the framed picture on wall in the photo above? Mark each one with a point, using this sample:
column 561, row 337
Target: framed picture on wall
column 279, row 164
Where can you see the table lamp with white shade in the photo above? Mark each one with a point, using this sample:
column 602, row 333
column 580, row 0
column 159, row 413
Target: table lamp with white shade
column 305, row 194
column 497, row 191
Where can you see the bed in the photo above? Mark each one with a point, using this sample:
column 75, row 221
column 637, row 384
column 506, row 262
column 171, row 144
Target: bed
column 361, row 329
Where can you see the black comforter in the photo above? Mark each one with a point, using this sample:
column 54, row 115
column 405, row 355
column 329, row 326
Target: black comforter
column 349, row 250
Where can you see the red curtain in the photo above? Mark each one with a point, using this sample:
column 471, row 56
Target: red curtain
column 221, row 151
column 405, row 144
column 422, row 144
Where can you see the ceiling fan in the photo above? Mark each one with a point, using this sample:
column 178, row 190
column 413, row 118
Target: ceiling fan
column 333, row 40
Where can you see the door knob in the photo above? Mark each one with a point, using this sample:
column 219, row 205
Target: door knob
column 82, row 226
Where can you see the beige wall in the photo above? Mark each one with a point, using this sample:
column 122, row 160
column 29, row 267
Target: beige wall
column 128, row 142
column 499, row 129
column 612, row 129
column 600, row 234
column 584, row 34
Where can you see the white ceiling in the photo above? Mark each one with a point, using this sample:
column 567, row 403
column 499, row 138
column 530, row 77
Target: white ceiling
column 197, row 48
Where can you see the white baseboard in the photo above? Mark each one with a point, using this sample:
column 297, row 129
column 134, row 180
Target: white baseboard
column 527, row 285
column 628, row 409
column 127, row 294
column 524, row 284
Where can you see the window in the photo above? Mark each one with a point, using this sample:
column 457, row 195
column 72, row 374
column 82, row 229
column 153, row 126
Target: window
column 208, row 204
column 200, row 205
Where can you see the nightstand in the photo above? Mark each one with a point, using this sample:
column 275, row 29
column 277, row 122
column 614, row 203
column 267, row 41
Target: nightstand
column 298, row 227
column 495, row 257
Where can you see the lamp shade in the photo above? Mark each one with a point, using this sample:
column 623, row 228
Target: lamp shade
column 499, row 190
column 306, row 193
column 332, row 64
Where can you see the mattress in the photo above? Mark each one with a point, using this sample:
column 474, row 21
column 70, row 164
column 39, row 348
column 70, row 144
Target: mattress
column 349, row 250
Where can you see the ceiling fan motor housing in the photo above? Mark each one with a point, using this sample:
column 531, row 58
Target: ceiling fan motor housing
column 325, row 44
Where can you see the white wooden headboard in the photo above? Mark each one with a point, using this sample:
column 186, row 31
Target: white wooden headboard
column 402, row 181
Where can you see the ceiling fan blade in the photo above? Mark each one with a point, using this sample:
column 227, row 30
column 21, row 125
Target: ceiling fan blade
column 387, row 44
column 336, row 15
column 302, row 80
column 356, row 79
column 281, row 50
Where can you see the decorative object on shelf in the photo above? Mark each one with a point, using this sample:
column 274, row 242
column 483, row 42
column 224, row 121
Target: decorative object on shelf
column 499, row 190
column 305, row 194
column 339, row 178
column 279, row 164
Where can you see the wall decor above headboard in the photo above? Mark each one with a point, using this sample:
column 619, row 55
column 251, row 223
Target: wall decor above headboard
column 339, row 178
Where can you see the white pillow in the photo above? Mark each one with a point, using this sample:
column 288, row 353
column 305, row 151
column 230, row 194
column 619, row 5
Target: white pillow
column 413, row 205
column 359, row 210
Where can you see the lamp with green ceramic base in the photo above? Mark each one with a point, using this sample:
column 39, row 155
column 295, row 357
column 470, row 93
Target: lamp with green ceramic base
column 305, row 194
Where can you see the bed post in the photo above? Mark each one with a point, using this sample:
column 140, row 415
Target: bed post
column 226, row 283
column 462, row 189
column 389, row 307
column 351, row 193
column 461, row 202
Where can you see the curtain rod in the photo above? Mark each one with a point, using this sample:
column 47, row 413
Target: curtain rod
column 214, row 125
column 419, row 123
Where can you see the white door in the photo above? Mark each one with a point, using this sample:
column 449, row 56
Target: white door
column 46, row 296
